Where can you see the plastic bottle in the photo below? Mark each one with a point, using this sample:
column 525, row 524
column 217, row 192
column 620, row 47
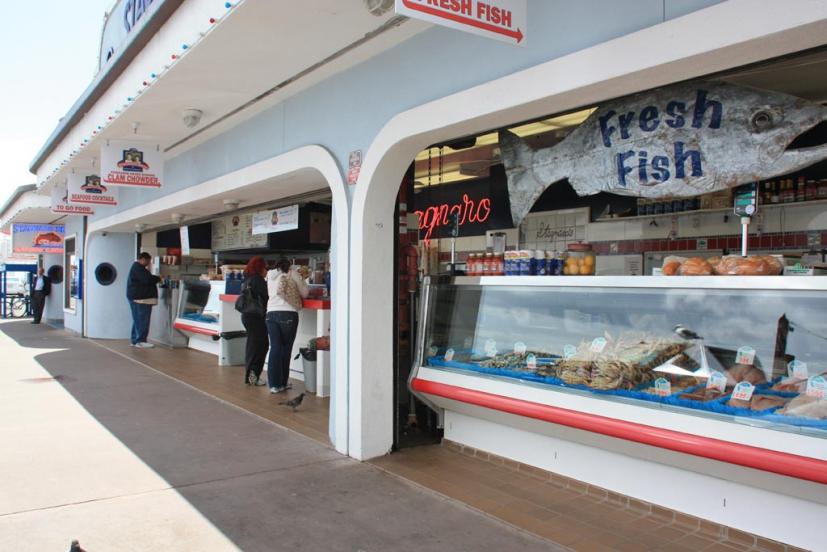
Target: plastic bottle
column 499, row 264
column 540, row 263
column 801, row 189
column 470, row 269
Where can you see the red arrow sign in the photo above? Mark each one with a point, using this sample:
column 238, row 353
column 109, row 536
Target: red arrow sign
column 413, row 5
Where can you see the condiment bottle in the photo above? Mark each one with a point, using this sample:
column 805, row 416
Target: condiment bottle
column 801, row 189
column 812, row 190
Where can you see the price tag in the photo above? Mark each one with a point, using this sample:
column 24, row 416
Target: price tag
column 745, row 355
column 490, row 347
column 449, row 355
column 519, row 348
column 797, row 370
column 598, row 344
column 569, row 351
column 716, row 381
column 743, row 391
column 531, row 362
column 817, row 387
column 662, row 387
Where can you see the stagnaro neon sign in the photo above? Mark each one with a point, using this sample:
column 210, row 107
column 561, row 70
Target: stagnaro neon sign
column 469, row 211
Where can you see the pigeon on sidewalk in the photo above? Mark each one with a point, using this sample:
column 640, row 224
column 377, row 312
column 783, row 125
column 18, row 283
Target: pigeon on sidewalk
column 294, row 402
column 75, row 547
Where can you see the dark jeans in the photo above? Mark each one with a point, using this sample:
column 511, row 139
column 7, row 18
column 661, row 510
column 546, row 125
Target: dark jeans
column 38, row 302
column 282, row 326
column 256, row 349
column 140, row 321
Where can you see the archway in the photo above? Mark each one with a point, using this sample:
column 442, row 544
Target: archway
column 615, row 68
column 291, row 173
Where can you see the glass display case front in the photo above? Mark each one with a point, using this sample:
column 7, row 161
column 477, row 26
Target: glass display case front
column 200, row 301
column 707, row 346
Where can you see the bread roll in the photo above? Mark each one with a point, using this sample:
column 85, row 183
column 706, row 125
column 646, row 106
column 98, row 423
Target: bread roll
column 696, row 266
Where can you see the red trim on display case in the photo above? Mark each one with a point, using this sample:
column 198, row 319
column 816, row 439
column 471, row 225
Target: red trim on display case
column 227, row 298
column 783, row 463
column 316, row 304
column 194, row 329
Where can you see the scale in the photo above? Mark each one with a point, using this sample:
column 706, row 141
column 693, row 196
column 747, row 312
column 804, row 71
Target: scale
column 745, row 206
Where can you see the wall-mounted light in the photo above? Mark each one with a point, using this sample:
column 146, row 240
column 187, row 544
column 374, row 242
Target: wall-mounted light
column 231, row 204
column 140, row 227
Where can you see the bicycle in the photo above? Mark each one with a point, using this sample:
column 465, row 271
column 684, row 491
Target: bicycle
column 17, row 306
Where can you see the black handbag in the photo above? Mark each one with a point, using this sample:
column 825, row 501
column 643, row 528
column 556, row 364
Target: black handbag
column 247, row 303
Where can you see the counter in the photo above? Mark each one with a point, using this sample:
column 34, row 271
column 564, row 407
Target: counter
column 314, row 321
column 607, row 380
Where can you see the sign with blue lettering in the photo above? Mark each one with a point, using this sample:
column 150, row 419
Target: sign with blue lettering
column 37, row 238
column 683, row 140
column 121, row 23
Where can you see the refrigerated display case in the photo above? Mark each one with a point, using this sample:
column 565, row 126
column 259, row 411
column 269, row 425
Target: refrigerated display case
column 210, row 324
column 724, row 368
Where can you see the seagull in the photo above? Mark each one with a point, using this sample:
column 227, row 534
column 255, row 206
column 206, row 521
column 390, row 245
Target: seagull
column 294, row 402
column 686, row 333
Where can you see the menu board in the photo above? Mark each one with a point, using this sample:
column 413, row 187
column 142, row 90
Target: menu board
column 236, row 232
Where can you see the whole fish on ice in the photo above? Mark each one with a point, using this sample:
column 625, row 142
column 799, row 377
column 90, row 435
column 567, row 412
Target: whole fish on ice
column 683, row 140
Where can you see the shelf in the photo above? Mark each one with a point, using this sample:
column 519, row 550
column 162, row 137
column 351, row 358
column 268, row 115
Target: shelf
column 771, row 206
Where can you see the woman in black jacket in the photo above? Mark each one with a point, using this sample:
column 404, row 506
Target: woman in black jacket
column 257, row 342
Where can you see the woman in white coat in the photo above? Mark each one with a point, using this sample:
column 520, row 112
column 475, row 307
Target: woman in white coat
column 286, row 289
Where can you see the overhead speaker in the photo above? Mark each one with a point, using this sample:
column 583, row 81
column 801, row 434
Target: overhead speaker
column 378, row 7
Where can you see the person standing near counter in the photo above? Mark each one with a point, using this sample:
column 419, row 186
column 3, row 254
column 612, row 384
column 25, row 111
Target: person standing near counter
column 286, row 289
column 142, row 293
column 257, row 343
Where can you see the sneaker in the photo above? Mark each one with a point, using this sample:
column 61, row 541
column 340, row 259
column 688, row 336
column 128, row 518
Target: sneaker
column 250, row 379
column 275, row 390
column 145, row 345
column 260, row 383
column 287, row 387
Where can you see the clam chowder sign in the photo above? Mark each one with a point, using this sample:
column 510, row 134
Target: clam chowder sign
column 129, row 163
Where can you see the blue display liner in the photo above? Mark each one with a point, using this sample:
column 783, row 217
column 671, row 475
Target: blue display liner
column 197, row 317
column 718, row 405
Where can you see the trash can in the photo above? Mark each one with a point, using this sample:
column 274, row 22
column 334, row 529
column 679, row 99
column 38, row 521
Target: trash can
column 309, row 367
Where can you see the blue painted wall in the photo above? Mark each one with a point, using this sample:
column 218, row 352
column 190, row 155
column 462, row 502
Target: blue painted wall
column 109, row 315
column 346, row 111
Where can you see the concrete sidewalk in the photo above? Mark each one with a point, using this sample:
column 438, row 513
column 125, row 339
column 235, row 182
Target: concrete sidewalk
column 102, row 449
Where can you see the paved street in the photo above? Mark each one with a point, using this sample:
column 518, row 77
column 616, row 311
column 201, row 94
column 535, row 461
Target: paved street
column 99, row 448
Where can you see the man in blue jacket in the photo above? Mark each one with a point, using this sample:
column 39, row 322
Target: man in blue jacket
column 142, row 292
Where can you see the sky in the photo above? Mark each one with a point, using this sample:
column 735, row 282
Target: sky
column 50, row 56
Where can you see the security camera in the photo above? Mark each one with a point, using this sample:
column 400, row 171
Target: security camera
column 191, row 117
column 177, row 218
column 378, row 7
column 140, row 227
column 104, row 234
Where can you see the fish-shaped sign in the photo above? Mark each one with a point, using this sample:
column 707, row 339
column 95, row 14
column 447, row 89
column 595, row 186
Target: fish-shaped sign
column 682, row 140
